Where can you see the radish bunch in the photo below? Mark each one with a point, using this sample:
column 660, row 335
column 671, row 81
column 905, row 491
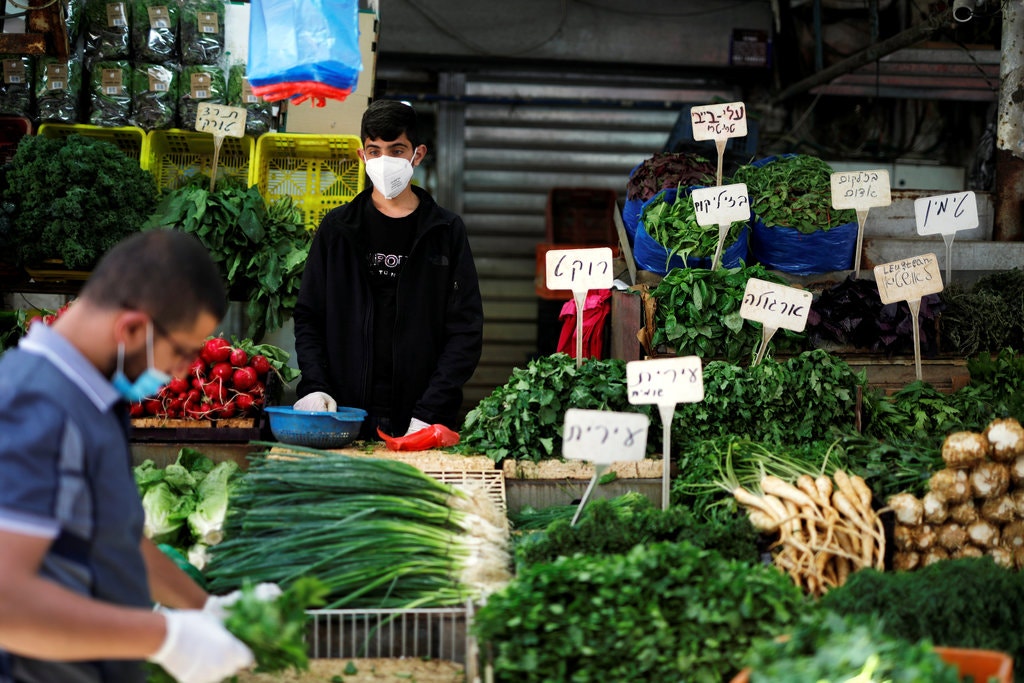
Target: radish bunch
column 225, row 381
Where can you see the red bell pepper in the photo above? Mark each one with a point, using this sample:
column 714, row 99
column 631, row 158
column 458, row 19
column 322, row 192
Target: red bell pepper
column 434, row 436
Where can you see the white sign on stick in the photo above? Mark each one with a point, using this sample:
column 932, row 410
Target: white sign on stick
column 220, row 119
column 860, row 189
column 946, row 213
column 579, row 269
column 719, row 121
column 721, row 205
column 661, row 381
column 603, row 437
column 908, row 279
column 774, row 305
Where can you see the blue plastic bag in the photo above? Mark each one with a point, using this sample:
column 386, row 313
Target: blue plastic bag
column 652, row 256
column 306, row 47
column 790, row 251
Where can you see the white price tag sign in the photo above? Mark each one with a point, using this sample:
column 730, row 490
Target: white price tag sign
column 722, row 205
column 665, row 381
column 775, row 305
column 719, row 121
column 579, row 269
column 860, row 189
column 908, row 279
column 220, row 119
column 603, row 437
column 946, row 213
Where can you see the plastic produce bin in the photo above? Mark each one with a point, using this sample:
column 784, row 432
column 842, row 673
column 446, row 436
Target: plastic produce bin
column 175, row 156
column 129, row 139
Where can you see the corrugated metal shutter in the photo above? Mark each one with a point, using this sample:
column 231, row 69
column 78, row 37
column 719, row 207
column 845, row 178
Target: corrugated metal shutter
column 504, row 142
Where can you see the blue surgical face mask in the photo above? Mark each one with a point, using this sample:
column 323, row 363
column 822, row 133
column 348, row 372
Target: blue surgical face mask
column 146, row 384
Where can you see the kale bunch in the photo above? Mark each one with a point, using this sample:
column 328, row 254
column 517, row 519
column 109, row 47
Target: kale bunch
column 73, row 199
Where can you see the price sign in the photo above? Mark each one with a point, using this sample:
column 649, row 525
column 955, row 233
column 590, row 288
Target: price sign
column 720, row 205
column 947, row 213
column 220, row 119
column 775, row 305
column 719, row 121
column 579, row 269
column 662, row 381
column 908, row 279
column 860, row 190
column 603, row 437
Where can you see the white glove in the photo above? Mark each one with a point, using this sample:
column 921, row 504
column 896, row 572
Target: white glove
column 218, row 605
column 198, row 649
column 318, row 402
column 415, row 426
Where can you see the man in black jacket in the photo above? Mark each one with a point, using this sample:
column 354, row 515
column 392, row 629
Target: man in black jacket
column 389, row 316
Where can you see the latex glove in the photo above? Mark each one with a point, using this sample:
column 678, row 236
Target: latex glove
column 317, row 401
column 218, row 605
column 198, row 649
column 415, row 426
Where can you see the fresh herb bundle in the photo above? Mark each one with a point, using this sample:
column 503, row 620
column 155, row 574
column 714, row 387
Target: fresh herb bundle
column 661, row 612
column 794, row 191
column 698, row 313
column 259, row 115
column 110, row 93
column 671, row 219
column 668, row 169
column 75, row 198
column 829, row 648
column 16, row 93
column 107, row 28
column 260, row 250
column 202, row 31
column 190, row 95
column 154, row 43
column 967, row 602
column 523, row 418
column 155, row 96
column 608, row 527
column 58, row 104
column 987, row 317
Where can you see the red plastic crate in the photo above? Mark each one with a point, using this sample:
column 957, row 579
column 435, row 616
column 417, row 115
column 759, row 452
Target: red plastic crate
column 581, row 215
column 12, row 130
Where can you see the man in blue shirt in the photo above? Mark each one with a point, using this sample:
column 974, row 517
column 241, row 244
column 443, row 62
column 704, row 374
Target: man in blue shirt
column 78, row 580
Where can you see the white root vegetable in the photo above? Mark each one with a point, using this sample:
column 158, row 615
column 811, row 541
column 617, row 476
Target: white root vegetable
column 964, row 513
column 964, row 449
column 909, row 510
column 1017, row 470
column 906, row 561
column 990, row 479
column 953, row 486
column 1002, row 556
column 969, row 551
column 936, row 510
column 999, row 509
column 951, row 536
column 1012, row 535
column 1005, row 439
column 903, row 537
column 983, row 533
column 924, row 537
column 934, row 555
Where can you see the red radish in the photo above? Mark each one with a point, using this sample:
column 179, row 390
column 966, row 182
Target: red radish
column 136, row 410
column 228, row 410
column 197, row 368
column 244, row 402
column 178, row 385
column 244, row 379
column 260, row 364
column 215, row 350
column 221, row 371
column 214, row 390
column 152, row 406
column 238, row 357
column 193, row 395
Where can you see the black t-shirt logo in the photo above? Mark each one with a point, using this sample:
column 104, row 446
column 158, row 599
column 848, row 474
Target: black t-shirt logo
column 386, row 265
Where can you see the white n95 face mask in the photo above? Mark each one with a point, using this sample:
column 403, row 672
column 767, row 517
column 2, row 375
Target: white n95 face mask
column 390, row 175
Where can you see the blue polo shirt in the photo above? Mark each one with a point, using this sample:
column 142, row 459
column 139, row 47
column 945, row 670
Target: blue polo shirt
column 66, row 476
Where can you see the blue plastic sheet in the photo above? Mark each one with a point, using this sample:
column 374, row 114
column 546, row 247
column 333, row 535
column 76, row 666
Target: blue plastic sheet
column 652, row 256
column 313, row 42
column 791, row 251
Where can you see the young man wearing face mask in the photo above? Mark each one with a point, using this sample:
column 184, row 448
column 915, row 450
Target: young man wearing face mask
column 78, row 580
column 389, row 316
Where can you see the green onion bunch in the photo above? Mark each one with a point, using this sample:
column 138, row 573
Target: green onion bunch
column 378, row 533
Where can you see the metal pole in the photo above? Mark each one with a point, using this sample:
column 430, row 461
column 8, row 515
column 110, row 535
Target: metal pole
column 1009, row 194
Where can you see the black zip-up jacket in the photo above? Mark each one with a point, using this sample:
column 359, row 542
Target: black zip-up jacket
column 439, row 325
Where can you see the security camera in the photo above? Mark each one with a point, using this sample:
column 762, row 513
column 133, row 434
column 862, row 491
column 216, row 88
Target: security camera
column 963, row 10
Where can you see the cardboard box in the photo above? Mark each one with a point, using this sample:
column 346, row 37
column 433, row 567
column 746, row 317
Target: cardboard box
column 342, row 117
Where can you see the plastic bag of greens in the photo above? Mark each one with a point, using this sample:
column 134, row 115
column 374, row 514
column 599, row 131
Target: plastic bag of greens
column 110, row 96
column 73, row 10
column 154, row 30
column 259, row 113
column 16, row 88
column 107, row 28
column 154, row 96
column 58, row 86
column 198, row 83
column 202, row 31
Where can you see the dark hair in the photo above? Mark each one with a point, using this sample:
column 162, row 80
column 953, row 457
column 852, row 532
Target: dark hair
column 387, row 120
column 166, row 273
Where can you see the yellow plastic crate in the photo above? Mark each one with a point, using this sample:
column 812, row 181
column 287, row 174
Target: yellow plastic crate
column 129, row 139
column 319, row 172
column 175, row 156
